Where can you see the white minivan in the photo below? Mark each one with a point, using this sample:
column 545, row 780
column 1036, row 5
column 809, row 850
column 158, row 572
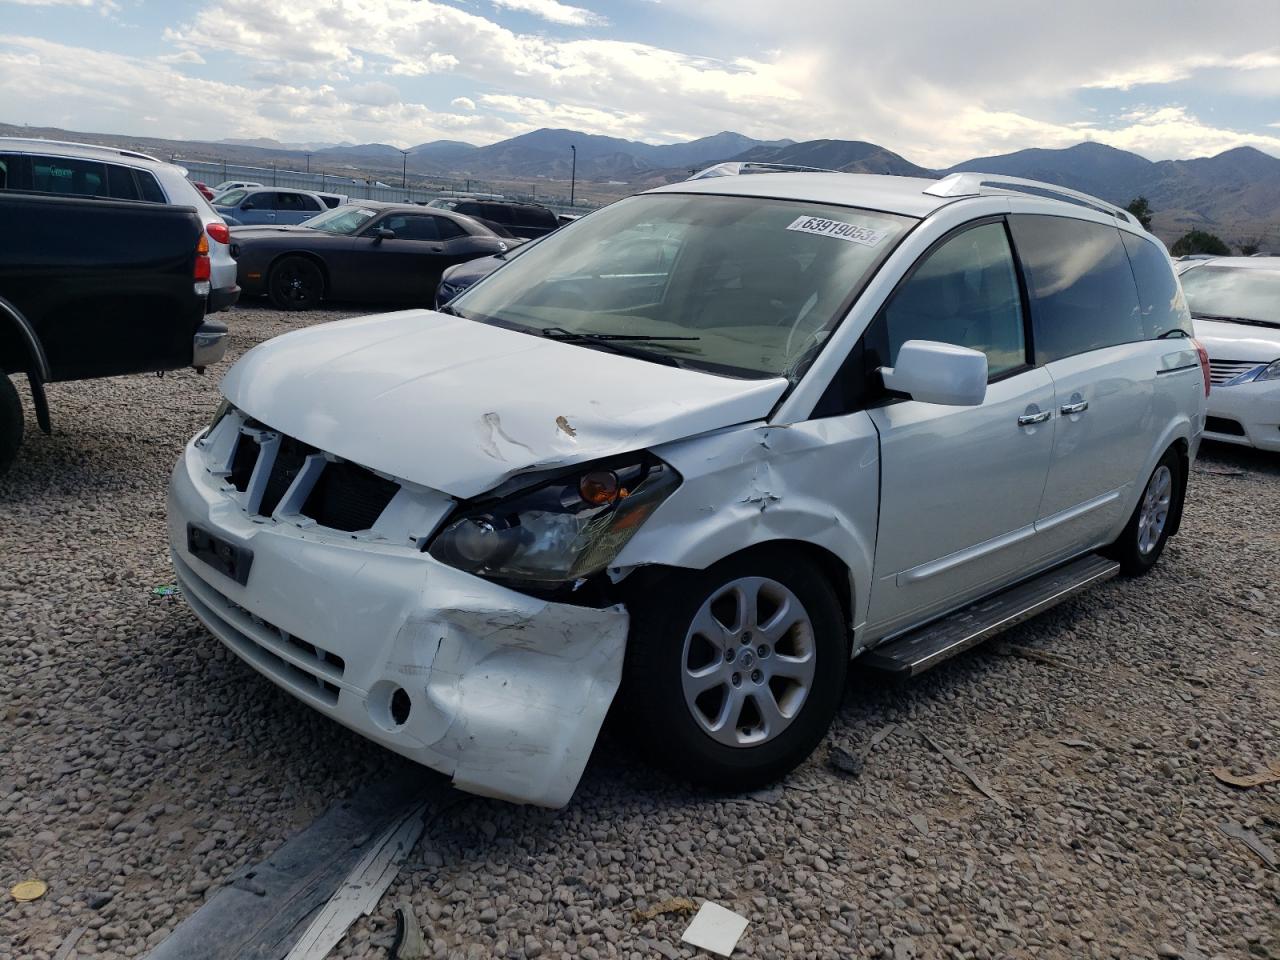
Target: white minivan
column 699, row 451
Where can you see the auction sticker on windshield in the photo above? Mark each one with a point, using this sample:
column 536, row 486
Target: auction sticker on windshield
column 838, row 229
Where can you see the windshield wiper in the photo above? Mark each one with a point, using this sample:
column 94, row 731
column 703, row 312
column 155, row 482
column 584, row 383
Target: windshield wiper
column 1245, row 320
column 615, row 342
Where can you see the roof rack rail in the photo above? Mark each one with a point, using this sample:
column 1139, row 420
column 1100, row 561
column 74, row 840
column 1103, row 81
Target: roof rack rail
column 971, row 185
column 118, row 151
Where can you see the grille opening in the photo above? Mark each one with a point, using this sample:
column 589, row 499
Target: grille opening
column 243, row 461
column 348, row 497
column 1224, row 425
column 289, row 460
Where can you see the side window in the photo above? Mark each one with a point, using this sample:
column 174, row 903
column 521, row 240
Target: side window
column 63, row 175
column 1083, row 295
column 447, row 229
column 14, row 172
column 309, row 203
column 149, row 188
column 289, row 201
column 4, row 173
column 1164, row 308
column 409, row 227
column 966, row 293
column 120, row 183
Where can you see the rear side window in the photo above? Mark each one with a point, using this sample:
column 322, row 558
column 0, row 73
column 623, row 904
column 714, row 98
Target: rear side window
column 296, row 201
column 67, row 176
column 120, row 183
column 4, row 173
column 1083, row 295
column 447, row 229
column 534, row 217
column 1164, row 308
column 965, row 292
column 149, row 188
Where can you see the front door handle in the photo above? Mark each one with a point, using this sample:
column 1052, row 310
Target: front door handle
column 1079, row 406
column 1031, row 419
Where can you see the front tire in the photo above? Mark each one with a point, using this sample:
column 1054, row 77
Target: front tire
column 11, row 422
column 734, row 673
column 1139, row 547
column 295, row 283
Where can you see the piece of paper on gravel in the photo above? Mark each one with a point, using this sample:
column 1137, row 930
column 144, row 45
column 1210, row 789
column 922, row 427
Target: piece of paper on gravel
column 715, row 928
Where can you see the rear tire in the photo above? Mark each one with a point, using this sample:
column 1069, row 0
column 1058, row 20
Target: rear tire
column 11, row 422
column 1139, row 547
column 295, row 283
column 763, row 624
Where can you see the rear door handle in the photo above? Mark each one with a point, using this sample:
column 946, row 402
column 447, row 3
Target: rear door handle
column 1031, row 419
column 1072, row 408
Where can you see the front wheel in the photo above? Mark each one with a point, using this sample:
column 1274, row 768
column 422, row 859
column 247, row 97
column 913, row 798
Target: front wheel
column 295, row 283
column 11, row 422
column 1139, row 547
column 734, row 673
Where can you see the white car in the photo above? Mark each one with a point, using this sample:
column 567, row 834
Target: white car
column 226, row 185
column 81, row 169
column 1236, row 305
column 839, row 417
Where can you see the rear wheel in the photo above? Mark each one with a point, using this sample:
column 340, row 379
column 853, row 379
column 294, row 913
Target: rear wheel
column 295, row 283
column 734, row 673
column 11, row 422
column 1139, row 547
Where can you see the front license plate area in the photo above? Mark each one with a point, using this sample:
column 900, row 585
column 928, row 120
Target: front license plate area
column 228, row 559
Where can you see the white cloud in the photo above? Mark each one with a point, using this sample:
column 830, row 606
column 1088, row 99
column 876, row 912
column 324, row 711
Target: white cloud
column 934, row 81
column 104, row 6
column 555, row 12
column 186, row 56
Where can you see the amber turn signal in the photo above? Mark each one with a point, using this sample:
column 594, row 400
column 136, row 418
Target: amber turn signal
column 600, row 487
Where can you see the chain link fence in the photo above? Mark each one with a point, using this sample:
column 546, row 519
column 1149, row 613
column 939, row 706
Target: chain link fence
column 417, row 190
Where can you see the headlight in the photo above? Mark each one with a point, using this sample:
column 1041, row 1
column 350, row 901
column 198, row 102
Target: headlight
column 1271, row 371
column 561, row 529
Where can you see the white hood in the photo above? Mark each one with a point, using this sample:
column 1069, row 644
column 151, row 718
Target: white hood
column 459, row 406
column 1238, row 341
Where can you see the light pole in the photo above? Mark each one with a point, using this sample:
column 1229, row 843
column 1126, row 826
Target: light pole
column 404, row 169
column 308, row 163
column 573, row 174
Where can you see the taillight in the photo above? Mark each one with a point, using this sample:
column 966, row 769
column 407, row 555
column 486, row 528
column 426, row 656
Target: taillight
column 204, row 269
column 219, row 231
column 1204, row 363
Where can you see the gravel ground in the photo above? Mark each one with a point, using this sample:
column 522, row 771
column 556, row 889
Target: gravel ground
column 140, row 763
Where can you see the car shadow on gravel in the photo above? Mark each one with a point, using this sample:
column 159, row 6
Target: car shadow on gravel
column 1231, row 456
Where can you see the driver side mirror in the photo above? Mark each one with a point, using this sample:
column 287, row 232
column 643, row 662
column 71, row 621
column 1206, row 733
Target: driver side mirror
column 383, row 233
column 944, row 373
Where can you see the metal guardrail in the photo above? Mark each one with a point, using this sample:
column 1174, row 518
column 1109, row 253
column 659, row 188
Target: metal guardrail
column 362, row 188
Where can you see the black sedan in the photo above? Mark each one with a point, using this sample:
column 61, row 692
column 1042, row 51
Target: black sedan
column 362, row 251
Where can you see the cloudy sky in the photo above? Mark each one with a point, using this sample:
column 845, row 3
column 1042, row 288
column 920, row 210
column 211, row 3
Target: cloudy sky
column 937, row 82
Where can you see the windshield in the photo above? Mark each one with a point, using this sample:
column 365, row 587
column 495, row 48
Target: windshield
column 342, row 220
column 752, row 286
column 1245, row 293
column 231, row 197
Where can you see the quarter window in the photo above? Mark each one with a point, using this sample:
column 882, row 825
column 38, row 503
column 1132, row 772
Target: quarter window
column 1164, row 308
column 965, row 293
column 1083, row 295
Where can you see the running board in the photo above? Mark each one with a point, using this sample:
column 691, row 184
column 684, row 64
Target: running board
column 926, row 647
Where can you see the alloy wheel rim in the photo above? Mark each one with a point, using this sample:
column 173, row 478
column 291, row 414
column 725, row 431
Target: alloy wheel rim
column 749, row 661
column 1154, row 513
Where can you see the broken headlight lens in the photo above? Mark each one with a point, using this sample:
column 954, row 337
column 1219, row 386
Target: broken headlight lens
column 562, row 529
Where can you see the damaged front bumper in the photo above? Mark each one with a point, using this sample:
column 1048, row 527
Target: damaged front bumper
column 504, row 692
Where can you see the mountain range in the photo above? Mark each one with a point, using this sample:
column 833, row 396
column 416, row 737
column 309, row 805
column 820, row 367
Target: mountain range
column 1235, row 194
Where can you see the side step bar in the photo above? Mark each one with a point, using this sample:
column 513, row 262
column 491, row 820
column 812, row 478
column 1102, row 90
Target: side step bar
column 926, row 647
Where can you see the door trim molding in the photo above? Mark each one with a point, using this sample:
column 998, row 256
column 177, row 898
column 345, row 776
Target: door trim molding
column 1076, row 512
column 934, row 567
